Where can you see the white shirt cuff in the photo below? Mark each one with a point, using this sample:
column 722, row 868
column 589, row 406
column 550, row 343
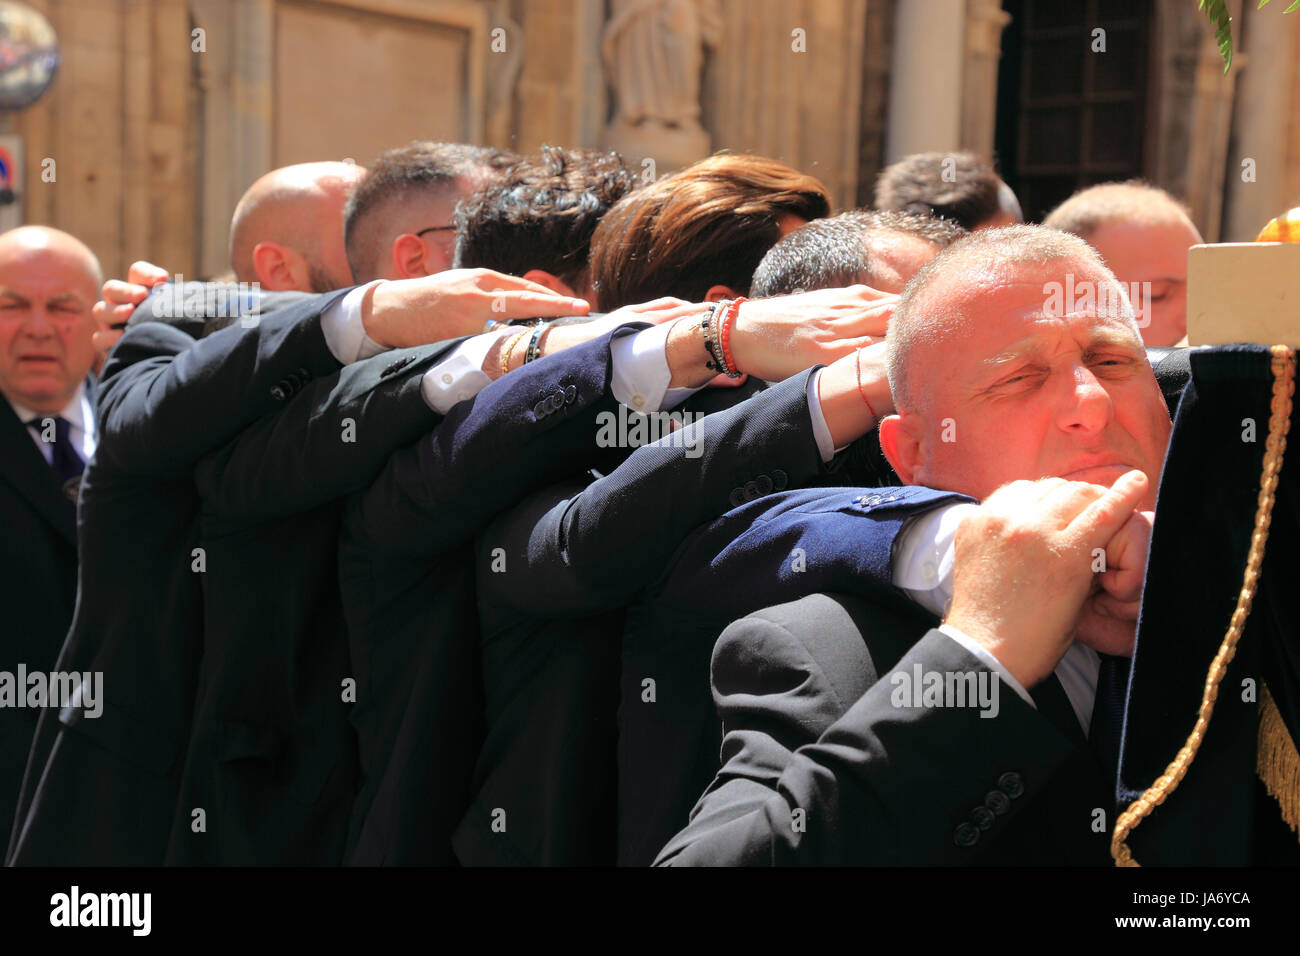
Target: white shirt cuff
column 343, row 331
column 640, row 374
column 989, row 661
column 923, row 556
column 821, row 431
column 460, row 376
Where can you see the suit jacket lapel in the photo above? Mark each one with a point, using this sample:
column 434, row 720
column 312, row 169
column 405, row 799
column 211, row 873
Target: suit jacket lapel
column 31, row 476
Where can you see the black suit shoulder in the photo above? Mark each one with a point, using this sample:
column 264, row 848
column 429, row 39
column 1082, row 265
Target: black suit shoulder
column 813, row 775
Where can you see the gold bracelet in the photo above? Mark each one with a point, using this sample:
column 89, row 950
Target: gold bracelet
column 508, row 348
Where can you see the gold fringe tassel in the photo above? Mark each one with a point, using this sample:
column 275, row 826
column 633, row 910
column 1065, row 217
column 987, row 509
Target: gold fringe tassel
column 1277, row 762
column 1283, row 368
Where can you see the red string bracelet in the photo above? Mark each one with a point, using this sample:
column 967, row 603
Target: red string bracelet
column 863, row 392
column 733, row 309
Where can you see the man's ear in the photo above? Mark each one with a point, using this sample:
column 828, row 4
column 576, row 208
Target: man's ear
column 279, row 268
column 552, row 282
column 901, row 447
column 720, row 292
column 410, row 259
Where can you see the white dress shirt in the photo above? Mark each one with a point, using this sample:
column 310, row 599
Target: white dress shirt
column 81, row 425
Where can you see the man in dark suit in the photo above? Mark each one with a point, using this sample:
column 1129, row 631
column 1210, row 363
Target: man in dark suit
column 103, row 789
column 567, row 555
column 1025, row 387
column 49, row 281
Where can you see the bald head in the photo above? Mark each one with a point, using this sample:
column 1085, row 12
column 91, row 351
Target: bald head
column 49, row 281
column 287, row 231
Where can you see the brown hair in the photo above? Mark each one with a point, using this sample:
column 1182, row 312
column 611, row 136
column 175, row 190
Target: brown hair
column 961, row 187
column 708, row 225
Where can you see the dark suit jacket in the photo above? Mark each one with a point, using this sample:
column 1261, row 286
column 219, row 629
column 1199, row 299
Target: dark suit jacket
column 822, row 763
column 406, row 572
column 38, row 585
column 103, row 790
column 272, row 755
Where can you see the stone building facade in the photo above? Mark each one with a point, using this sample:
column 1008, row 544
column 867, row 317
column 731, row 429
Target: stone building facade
column 165, row 110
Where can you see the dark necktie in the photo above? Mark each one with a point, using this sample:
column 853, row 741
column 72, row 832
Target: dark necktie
column 65, row 461
column 1108, row 710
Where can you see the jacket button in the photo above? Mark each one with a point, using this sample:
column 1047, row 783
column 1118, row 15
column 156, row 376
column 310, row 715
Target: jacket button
column 965, row 835
column 997, row 801
column 982, row 817
column 278, row 393
column 779, row 479
column 764, row 484
column 571, row 393
column 751, row 491
column 1011, row 784
column 540, row 409
column 737, row 497
column 557, row 400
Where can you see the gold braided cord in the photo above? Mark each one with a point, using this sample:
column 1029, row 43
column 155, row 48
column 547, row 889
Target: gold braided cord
column 1283, row 367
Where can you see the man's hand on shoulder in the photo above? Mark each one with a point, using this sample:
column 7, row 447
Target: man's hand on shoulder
column 1024, row 562
column 447, row 305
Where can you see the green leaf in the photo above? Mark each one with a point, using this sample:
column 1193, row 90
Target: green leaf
column 1217, row 11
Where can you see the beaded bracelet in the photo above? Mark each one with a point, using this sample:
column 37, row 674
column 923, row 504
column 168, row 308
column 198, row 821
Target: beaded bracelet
column 714, row 364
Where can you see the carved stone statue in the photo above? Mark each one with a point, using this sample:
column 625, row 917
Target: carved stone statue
column 654, row 54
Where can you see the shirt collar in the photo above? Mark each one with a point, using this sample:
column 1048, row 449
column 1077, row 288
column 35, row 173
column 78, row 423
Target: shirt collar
column 75, row 411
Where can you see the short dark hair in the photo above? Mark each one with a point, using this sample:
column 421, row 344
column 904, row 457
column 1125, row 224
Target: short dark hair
column 961, row 187
column 541, row 214
column 832, row 253
column 709, row 224
column 398, row 176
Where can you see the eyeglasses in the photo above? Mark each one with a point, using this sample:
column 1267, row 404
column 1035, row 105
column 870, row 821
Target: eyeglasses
column 436, row 229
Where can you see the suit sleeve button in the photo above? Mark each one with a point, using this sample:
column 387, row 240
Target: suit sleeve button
column 997, row 801
column 737, row 497
column 571, row 393
column 1011, row 784
column 966, row 834
column 764, row 483
column 982, row 817
column 780, row 479
column 540, row 409
column 278, row 393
